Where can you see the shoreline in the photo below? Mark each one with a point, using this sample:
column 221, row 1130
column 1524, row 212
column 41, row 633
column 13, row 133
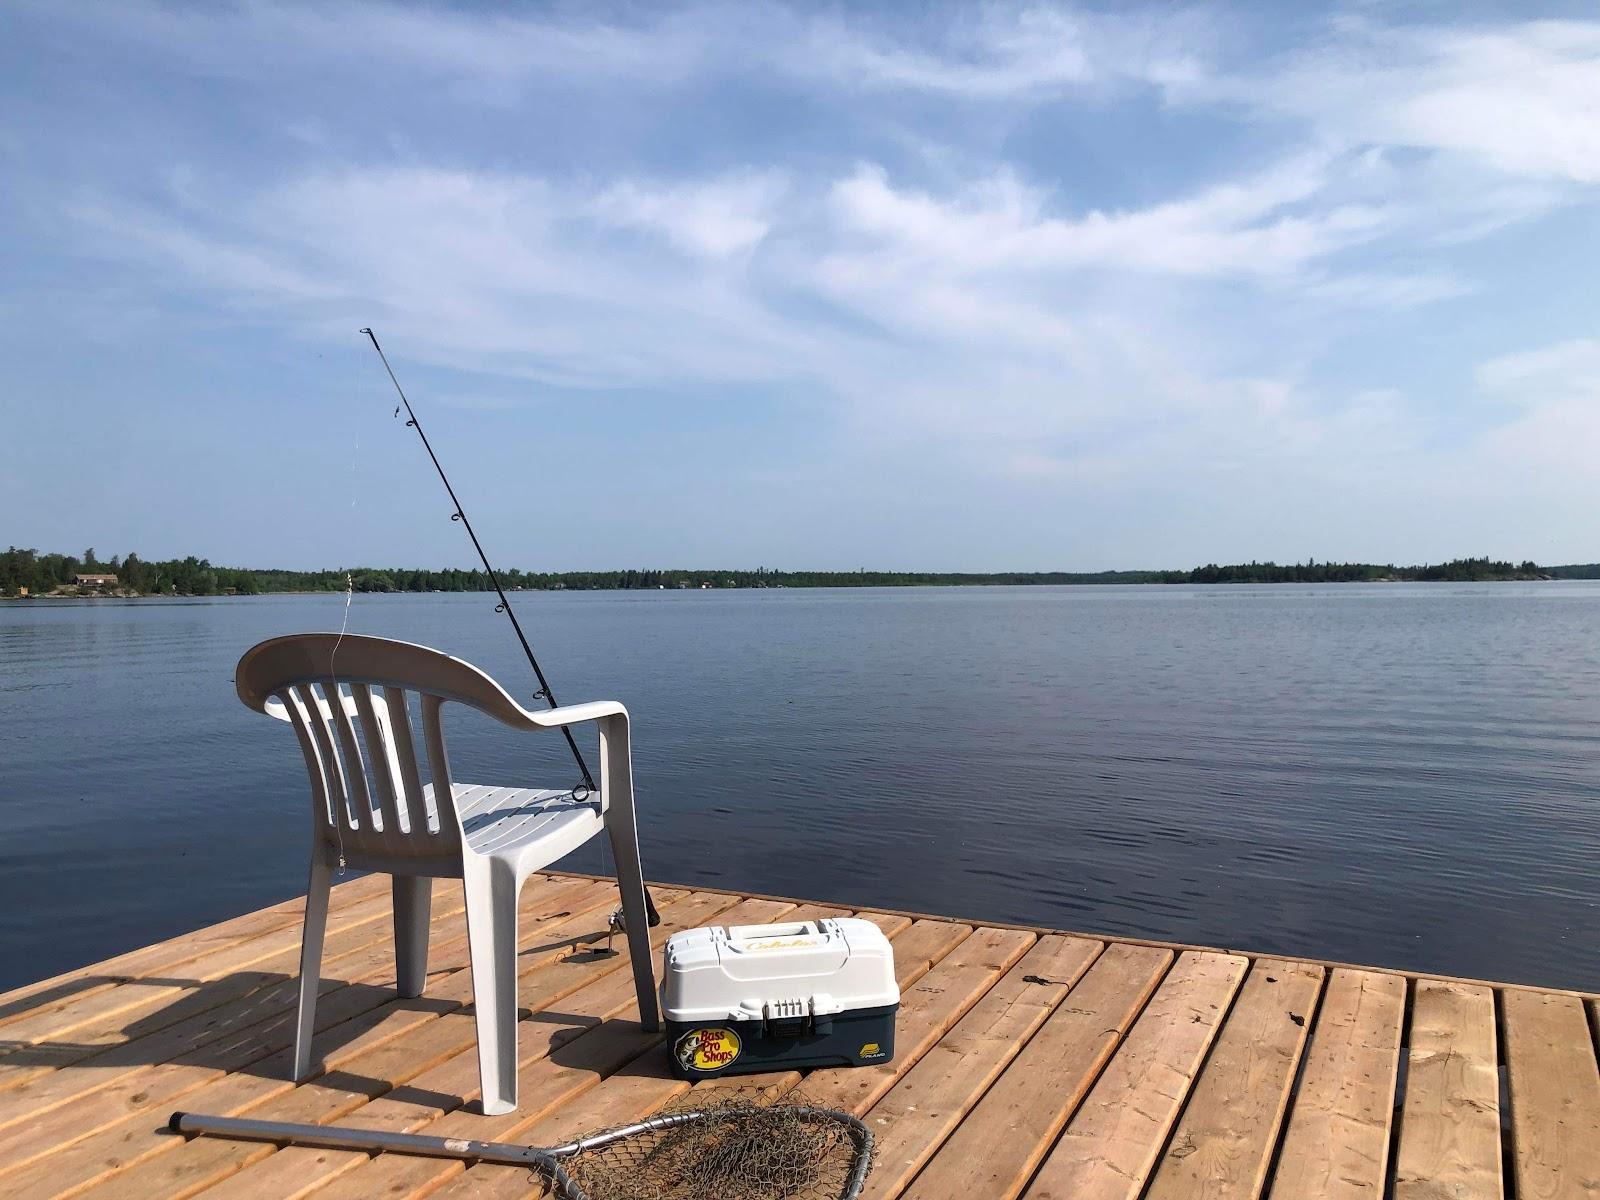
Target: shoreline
column 1153, row 583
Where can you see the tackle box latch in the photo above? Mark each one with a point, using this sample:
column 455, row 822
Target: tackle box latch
column 794, row 1018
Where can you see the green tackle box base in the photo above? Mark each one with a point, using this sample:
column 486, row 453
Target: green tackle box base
column 701, row 1050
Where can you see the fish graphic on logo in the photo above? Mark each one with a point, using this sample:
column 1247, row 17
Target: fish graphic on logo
column 707, row 1049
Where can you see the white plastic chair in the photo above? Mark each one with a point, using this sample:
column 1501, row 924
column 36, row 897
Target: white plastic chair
column 370, row 807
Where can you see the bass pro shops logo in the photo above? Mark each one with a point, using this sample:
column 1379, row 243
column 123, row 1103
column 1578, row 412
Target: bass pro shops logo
column 707, row 1049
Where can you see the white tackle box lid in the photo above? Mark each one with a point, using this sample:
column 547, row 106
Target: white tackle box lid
column 746, row 972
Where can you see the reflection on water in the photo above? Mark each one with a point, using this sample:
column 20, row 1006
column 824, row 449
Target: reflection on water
column 1397, row 774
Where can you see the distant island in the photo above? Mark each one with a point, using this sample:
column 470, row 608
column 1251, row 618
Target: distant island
column 27, row 573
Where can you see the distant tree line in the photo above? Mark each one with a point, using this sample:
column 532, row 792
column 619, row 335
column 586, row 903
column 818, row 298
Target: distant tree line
column 44, row 573
column 1460, row 570
column 1574, row 571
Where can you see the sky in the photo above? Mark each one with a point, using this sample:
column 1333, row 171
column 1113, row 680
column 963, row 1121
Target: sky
column 977, row 287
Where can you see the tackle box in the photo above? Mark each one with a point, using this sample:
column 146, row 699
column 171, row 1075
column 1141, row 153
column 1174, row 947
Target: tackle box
column 773, row 997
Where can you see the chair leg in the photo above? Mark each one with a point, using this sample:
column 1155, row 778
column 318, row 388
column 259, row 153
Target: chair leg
column 413, row 902
column 316, row 923
column 491, row 892
column 630, row 880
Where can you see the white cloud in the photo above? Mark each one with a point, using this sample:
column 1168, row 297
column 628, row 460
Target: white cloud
column 505, row 273
column 1520, row 99
column 1251, row 227
column 714, row 218
column 995, row 50
column 1004, row 51
column 483, row 50
column 1567, row 369
column 1548, row 444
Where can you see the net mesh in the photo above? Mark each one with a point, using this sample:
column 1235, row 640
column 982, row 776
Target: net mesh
column 736, row 1149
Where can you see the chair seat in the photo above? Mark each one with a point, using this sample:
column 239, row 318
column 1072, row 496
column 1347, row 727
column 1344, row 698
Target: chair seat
column 497, row 821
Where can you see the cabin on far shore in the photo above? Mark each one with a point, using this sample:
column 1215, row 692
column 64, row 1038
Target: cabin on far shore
column 86, row 580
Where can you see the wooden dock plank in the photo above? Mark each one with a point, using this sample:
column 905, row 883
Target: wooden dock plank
column 111, row 1130
column 892, row 924
column 1014, row 1071
column 196, row 1006
column 454, row 1082
column 1555, row 1096
column 157, row 957
column 1223, row 1142
column 1176, row 947
column 1450, row 1123
column 1111, row 1144
column 918, row 947
column 928, row 1009
column 228, row 1037
column 356, row 1078
column 546, row 1083
column 639, row 1089
column 163, row 957
column 160, row 957
column 995, row 1150
column 949, row 985
column 914, row 1118
column 215, row 976
column 233, row 1040
column 1337, row 1142
column 144, row 994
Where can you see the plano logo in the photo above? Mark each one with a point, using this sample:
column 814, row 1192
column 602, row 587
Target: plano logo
column 872, row 1050
column 707, row 1049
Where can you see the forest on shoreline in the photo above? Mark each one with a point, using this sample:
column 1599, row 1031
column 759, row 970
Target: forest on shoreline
column 56, row 574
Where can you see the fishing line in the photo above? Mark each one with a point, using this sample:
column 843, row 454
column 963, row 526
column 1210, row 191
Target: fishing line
column 349, row 595
column 338, row 695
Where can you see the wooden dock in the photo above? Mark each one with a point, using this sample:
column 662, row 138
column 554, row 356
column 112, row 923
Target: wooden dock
column 1030, row 1063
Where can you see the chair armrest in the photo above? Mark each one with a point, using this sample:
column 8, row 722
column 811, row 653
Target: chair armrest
column 573, row 714
column 616, row 763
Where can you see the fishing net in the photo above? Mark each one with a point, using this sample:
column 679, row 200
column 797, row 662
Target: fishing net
column 713, row 1144
column 724, row 1149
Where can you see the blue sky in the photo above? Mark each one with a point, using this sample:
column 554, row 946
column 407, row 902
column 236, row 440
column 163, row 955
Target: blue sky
column 961, row 287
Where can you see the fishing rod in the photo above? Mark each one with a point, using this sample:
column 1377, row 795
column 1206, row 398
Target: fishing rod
column 545, row 692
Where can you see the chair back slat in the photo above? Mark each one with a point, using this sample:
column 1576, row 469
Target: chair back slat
column 321, row 797
column 439, row 765
column 409, row 777
column 380, row 763
column 355, row 767
column 318, row 710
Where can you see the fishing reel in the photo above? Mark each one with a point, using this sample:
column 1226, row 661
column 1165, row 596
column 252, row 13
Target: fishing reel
column 618, row 921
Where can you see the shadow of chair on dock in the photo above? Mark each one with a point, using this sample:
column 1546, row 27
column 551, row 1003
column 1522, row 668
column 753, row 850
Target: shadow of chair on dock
column 241, row 1023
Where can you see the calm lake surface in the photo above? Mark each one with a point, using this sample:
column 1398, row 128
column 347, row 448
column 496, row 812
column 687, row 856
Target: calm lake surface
column 1406, row 775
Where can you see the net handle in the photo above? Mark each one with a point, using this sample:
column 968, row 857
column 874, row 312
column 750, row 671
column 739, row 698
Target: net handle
column 336, row 1137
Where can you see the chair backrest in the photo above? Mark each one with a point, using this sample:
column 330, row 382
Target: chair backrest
column 367, row 791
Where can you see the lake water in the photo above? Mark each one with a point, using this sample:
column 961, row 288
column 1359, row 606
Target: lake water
column 1406, row 775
